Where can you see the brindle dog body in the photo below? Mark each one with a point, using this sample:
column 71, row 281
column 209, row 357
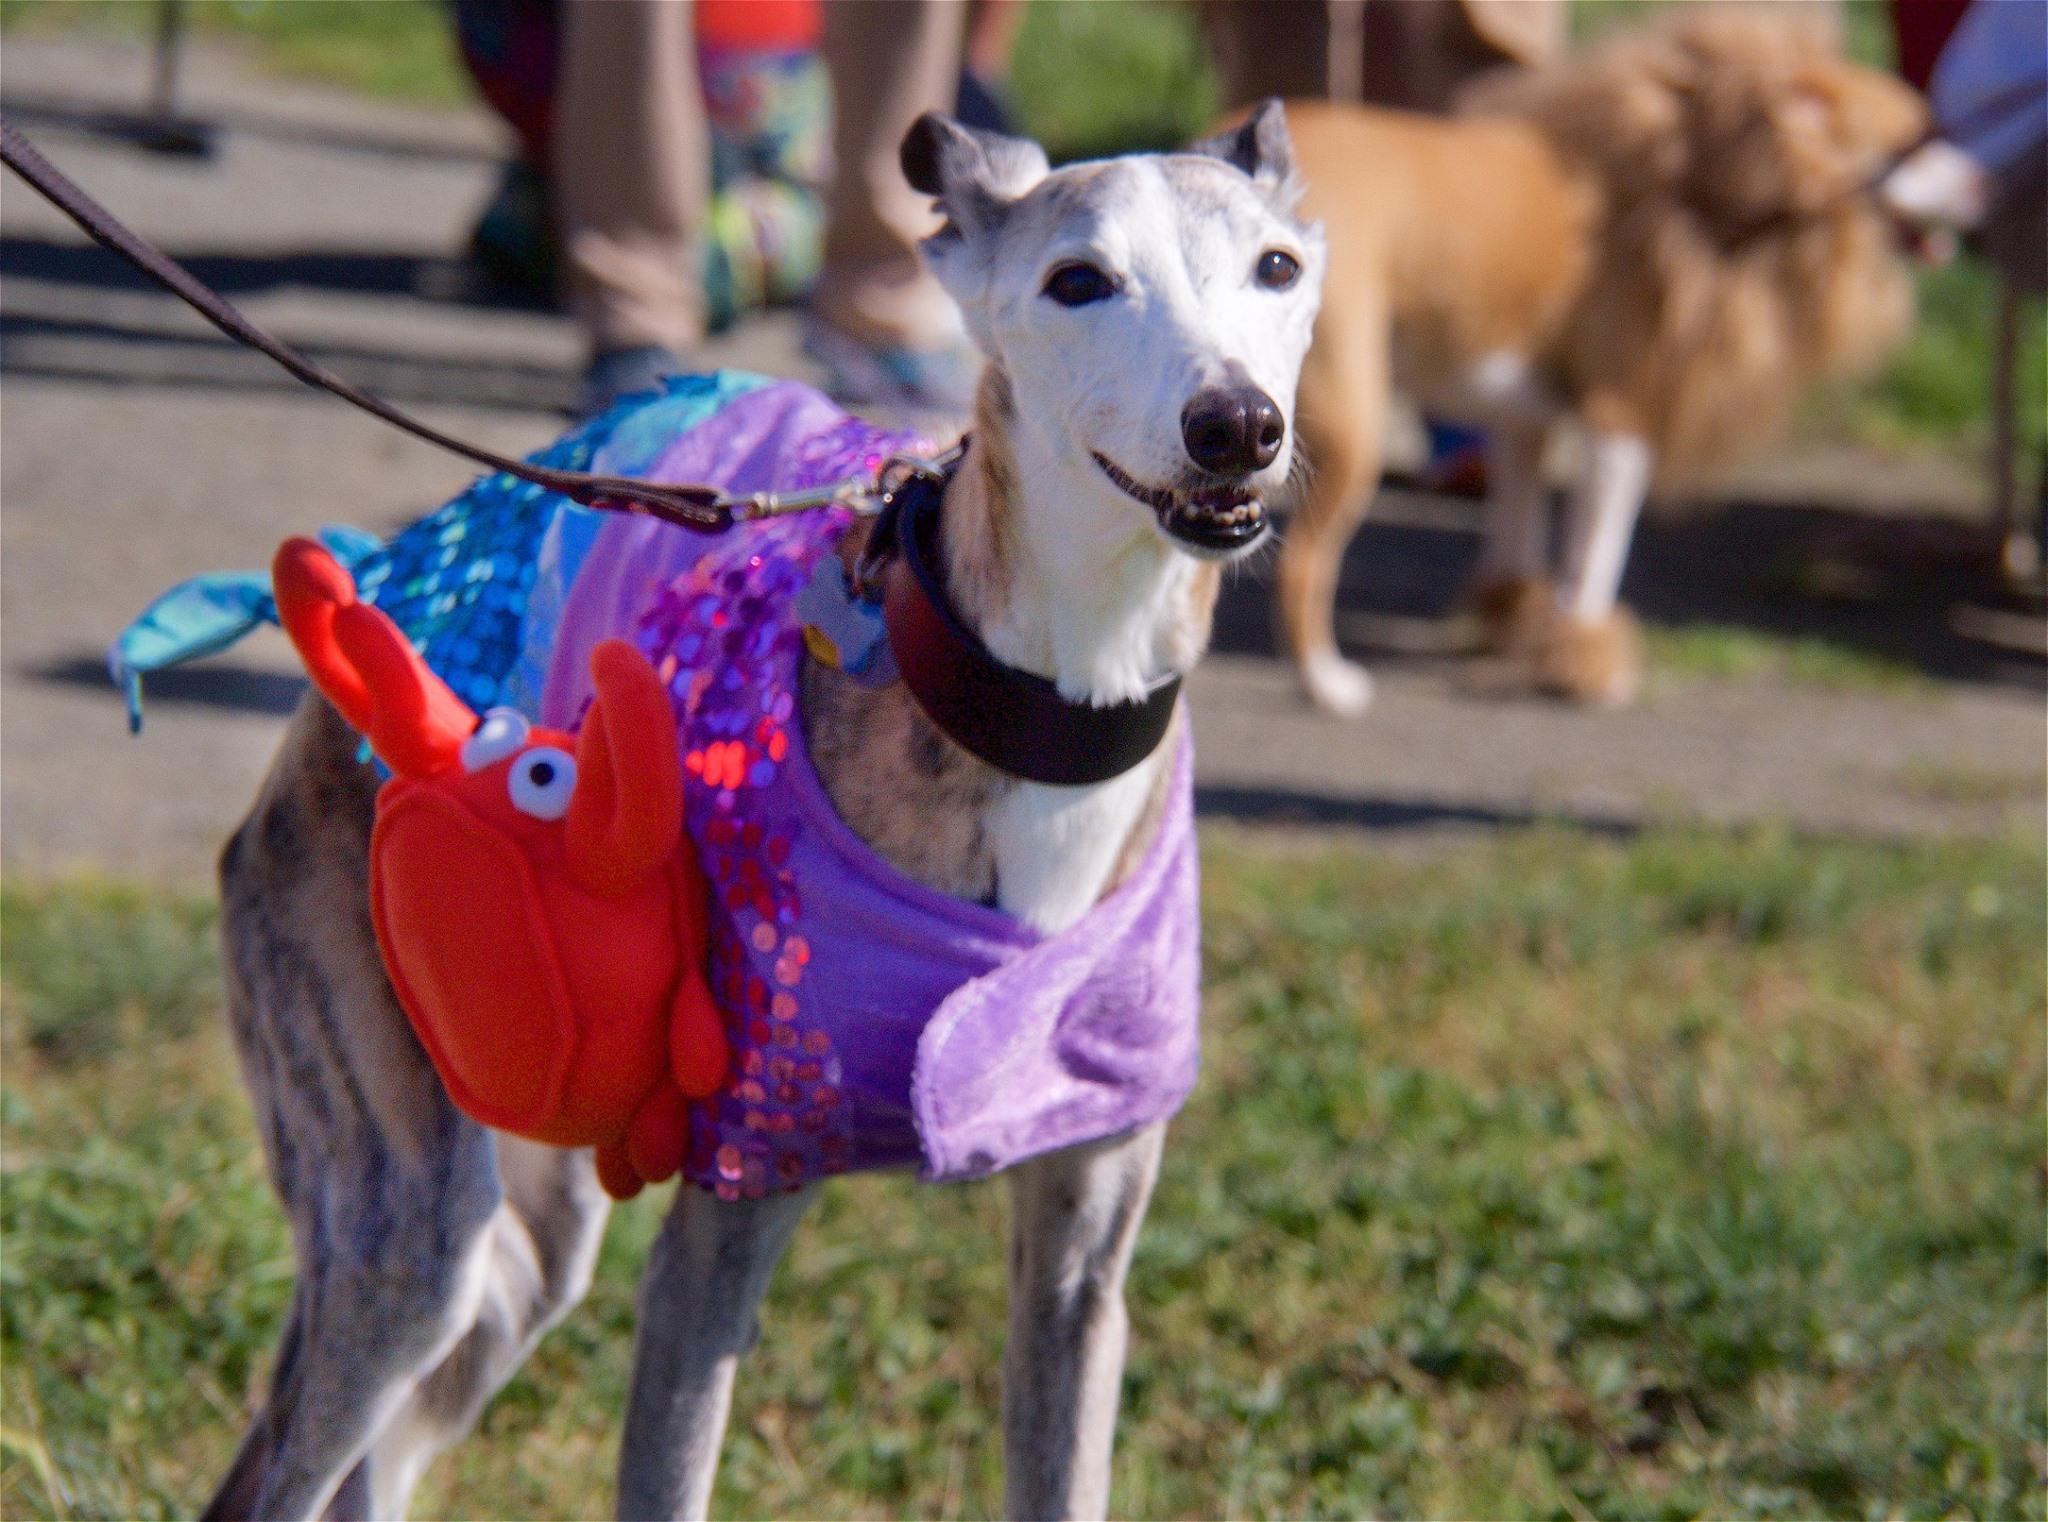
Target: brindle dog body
column 433, row 1253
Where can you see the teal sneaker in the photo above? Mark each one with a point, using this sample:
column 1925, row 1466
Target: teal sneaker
column 931, row 381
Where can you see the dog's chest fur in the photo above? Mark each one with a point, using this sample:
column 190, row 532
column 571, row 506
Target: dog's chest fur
column 942, row 816
column 954, row 823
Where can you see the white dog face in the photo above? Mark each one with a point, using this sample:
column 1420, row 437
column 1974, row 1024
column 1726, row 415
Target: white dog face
column 1153, row 309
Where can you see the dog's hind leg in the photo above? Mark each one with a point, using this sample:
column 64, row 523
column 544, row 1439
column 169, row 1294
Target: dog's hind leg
column 1075, row 1221
column 1511, row 590
column 698, row 1301
column 1343, row 420
column 391, row 1193
column 542, row 1250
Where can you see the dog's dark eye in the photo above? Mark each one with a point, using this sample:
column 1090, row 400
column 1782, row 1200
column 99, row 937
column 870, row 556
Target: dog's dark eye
column 1079, row 285
column 1277, row 270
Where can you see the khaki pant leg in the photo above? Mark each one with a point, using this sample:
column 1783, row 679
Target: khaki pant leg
column 891, row 61
column 633, row 172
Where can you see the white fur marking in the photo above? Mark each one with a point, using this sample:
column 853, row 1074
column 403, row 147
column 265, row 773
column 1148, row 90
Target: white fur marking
column 1056, row 846
column 1602, row 520
column 1503, row 384
column 1335, row 685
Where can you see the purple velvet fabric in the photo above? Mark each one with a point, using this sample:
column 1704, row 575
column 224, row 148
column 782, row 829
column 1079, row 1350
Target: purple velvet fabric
column 874, row 1022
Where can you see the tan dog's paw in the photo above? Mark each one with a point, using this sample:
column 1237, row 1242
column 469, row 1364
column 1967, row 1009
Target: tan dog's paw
column 1514, row 614
column 1598, row 662
column 1339, row 687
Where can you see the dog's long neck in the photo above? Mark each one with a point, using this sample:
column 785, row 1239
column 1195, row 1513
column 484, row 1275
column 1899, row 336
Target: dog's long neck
column 1062, row 576
column 1059, row 577
column 1059, row 572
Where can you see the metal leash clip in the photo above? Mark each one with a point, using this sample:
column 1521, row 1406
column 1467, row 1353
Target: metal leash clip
column 893, row 480
column 755, row 506
column 865, row 497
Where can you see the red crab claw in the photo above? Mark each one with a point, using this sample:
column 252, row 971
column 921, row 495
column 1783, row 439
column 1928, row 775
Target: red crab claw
column 627, row 812
column 616, row 1173
column 360, row 660
column 659, row 1134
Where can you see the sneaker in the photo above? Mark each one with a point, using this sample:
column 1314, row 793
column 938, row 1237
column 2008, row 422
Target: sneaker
column 617, row 373
column 928, row 381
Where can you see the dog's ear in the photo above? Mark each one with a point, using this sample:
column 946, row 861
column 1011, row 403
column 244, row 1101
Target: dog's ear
column 973, row 175
column 1259, row 146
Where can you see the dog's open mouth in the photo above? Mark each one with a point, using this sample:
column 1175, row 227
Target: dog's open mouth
column 1215, row 519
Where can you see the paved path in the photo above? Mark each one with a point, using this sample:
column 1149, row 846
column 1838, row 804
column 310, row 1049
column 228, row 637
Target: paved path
column 136, row 448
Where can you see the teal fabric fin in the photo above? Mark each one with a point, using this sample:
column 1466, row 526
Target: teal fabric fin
column 206, row 615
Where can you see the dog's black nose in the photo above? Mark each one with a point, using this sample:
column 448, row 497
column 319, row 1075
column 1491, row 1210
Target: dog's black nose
column 1232, row 431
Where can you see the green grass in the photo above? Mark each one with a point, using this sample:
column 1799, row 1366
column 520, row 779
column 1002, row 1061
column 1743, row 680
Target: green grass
column 1549, row 1177
column 1866, row 28
column 1936, row 390
column 1726, row 650
column 1095, row 77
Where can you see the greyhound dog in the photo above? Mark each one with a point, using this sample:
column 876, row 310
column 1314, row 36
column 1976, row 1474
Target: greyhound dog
column 1144, row 320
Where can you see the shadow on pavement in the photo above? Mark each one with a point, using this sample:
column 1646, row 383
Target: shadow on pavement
column 211, row 684
column 113, row 354
column 1909, row 590
column 354, row 271
column 49, row 114
column 1281, row 806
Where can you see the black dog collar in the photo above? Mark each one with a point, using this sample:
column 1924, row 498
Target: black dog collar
column 1016, row 721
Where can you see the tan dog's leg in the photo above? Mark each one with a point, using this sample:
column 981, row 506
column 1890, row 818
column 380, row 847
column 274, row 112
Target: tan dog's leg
column 1511, row 590
column 1595, row 654
column 703, row 1281
column 1343, row 420
column 1075, row 1219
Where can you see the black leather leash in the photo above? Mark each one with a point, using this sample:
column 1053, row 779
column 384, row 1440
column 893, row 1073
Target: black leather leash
column 1016, row 721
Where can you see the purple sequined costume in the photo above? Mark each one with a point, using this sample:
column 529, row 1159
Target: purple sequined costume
column 874, row 1022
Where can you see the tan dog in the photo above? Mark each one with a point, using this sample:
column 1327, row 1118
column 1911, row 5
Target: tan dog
column 1661, row 242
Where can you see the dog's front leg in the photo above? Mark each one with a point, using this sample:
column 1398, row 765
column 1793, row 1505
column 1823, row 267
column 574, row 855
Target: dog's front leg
column 1076, row 1216
column 704, row 1280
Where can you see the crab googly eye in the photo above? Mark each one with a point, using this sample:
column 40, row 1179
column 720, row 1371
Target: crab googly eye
column 499, row 733
column 541, row 781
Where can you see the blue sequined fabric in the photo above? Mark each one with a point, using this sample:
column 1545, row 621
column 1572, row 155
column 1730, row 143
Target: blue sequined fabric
column 458, row 580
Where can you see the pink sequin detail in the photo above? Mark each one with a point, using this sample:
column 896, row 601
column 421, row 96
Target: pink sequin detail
column 777, row 1122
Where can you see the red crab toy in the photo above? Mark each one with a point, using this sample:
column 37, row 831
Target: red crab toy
column 540, row 911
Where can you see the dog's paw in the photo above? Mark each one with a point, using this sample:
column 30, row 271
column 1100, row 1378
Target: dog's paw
column 1598, row 662
column 1337, row 686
